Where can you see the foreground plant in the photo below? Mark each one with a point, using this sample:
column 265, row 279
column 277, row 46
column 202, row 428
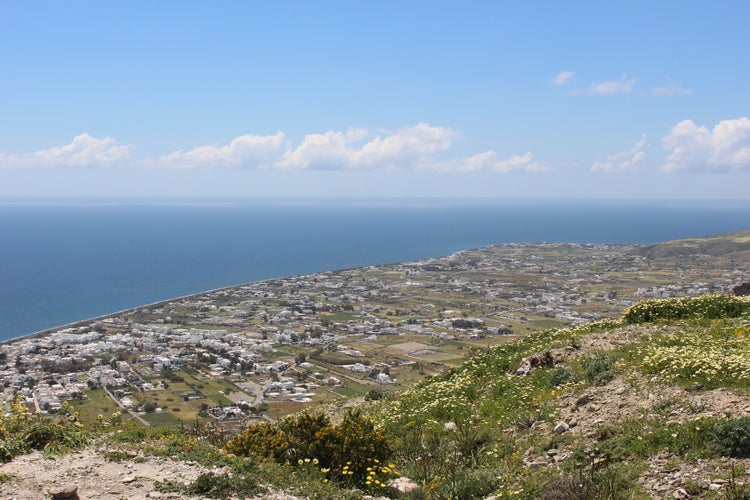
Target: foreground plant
column 22, row 431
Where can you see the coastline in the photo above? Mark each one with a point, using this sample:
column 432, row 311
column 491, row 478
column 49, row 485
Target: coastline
column 84, row 322
column 159, row 303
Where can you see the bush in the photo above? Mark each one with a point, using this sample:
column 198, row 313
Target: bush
column 561, row 376
column 732, row 437
column 599, row 367
column 211, row 485
column 344, row 451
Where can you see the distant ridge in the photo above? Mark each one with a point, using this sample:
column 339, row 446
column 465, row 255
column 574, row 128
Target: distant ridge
column 719, row 245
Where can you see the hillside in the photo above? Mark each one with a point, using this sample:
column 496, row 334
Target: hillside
column 615, row 409
column 650, row 403
column 727, row 246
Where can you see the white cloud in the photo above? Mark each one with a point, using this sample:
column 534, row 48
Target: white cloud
column 609, row 87
column 248, row 150
column 671, row 88
column 348, row 150
column 625, row 161
column 563, row 77
column 421, row 147
column 489, row 161
column 694, row 148
column 83, row 151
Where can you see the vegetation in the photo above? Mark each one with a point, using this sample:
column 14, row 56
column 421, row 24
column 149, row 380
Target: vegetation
column 23, row 431
column 485, row 427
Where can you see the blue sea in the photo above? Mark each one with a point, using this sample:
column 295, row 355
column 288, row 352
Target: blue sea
column 64, row 261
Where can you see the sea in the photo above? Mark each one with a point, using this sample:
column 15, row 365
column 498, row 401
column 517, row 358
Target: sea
column 63, row 261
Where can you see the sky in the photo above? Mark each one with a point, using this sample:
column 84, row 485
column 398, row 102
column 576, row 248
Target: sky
column 470, row 99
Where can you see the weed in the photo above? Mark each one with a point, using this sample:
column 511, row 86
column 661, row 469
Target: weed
column 561, row 376
column 599, row 367
column 7, row 478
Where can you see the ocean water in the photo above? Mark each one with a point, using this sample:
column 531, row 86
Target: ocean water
column 65, row 261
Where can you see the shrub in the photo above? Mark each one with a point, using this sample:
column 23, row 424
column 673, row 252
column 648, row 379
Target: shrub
column 561, row 376
column 598, row 367
column 344, row 451
column 732, row 437
column 211, row 485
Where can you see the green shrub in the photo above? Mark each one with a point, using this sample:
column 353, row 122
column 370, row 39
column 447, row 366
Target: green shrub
column 211, row 485
column 561, row 376
column 598, row 367
column 732, row 437
column 343, row 451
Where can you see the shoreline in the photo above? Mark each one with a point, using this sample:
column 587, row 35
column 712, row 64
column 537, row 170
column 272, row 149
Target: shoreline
column 158, row 303
column 84, row 322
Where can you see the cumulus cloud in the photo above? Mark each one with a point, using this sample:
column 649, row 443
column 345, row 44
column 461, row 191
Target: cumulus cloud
column 354, row 149
column 625, row 161
column 422, row 147
column 83, row 151
column 563, row 77
column 693, row 148
column 671, row 88
column 244, row 151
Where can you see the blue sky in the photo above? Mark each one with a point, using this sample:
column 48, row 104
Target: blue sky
column 448, row 99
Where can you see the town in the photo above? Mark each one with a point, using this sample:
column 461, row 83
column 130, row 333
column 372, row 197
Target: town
column 268, row 349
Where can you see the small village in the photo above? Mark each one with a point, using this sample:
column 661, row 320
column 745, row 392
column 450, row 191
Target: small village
column 268, row 349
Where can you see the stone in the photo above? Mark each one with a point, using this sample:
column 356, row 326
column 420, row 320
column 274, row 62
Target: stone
column 582, row 400
column 128, row 479
column 680, row 493
column 561, row 427
column 404, row 485
column 538, row 464
column 68, row 491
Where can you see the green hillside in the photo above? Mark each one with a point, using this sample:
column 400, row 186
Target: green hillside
column 628, row 408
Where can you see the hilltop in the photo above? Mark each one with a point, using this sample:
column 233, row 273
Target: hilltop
column 648, row 400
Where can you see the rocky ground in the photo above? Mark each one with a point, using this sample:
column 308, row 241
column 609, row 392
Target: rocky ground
column 91, row 476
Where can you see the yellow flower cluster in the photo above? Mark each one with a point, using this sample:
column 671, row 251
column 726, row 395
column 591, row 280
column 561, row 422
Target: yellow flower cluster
column 717, row 355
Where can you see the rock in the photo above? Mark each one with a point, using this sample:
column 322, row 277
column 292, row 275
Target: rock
column 715, row 486
column 129, row 479
column 450, row 426
column 538, row 464
column 69, row 491
column 539, row 360
column 573, row 422
column 680, row 493
column 561, row 427
column 404, row 485
column 583, row 400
